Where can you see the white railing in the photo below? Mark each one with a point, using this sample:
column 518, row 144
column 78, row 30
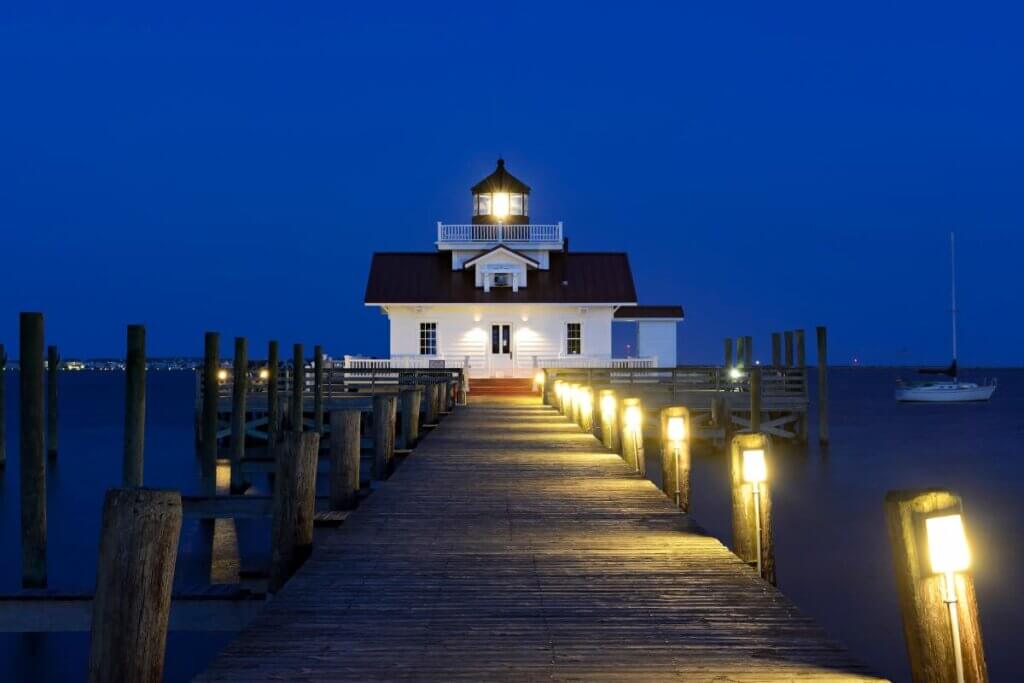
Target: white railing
column 449, row 232
column 401, row 363
column 585, row 362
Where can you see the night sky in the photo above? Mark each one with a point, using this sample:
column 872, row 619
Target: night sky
column 232, row 167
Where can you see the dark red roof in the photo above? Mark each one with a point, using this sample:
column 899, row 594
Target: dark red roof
column 428, row 278
column 638, row 312
column 500, row 181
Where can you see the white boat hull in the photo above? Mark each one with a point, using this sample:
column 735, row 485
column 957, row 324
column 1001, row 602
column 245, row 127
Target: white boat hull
column 944, row 392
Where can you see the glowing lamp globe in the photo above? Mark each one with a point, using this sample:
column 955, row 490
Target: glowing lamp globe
column 754, row 469
column 676, row 428
column 222, row 375
column 264, row 374
column 633, row 417
column 607, row 405
column 947, row 544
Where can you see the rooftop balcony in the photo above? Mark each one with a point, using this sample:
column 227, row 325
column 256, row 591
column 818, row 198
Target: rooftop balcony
column 454, row 236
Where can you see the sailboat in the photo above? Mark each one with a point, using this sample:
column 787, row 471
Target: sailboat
column 950, row 390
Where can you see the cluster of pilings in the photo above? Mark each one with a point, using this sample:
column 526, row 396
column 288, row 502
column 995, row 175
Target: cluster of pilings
column 141, row 527
column 938, row 603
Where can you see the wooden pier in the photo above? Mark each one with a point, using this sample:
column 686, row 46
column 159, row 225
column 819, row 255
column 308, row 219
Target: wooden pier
column 512, row 545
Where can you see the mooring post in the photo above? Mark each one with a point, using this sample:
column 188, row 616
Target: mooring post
column 728, row 353
column 429, row 406
column 239, row 391
column 3, row 406
column 587, row 409
column 211, row 369
column 52, row 368
column 776, row 349
column 676, row 430
column 273, row 399
column 632, row 436
column 789, row 348
column 298, row 389
column 801, row 352
column 755, row 399
column 344, row 480
column 609, row 409
column 318, row 389
column 33, row 457
column 294, row 506
column 438, row 400
column 938, row 604
column 134, row 407
column 801, row 363
column 822, row 385
column 741, row 352
column 384, row 407
column 752, row 537
column 135, row 574
column 463, row 379
column 721, row 416
column 410, row 409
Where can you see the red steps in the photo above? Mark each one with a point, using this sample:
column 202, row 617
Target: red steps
column 502, row 386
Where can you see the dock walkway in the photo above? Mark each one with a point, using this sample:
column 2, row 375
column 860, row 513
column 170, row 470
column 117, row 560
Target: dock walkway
column 511, row 546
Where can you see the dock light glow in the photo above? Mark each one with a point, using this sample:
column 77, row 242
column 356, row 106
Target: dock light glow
column 538, row 380
column 948, row 552
column 607, row 406
column 754, row 472
column 222, row 375
column 264, row 374
column 676, row 429
column 734, row 373
column 633, row 417
column 676, row 432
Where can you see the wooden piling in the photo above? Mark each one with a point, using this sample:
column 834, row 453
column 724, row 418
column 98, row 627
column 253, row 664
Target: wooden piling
column 410, row 431
column 741, row 352
column 609, row 411
column 384, row 407
column 927, row 627
column 211, row 367
column 801, row 352
column 344, row 453
column 33, row 457
column 748, row 351
column 789, row 348
column 801, row 362
column 298, row 389
column 675, row 458
column 52, row 368
column 822, row 385
column 318, row 389
column 134, row 407
column 755, row 399
column 744, row 539
column 138, row 547
column 429, row 405
column 586, row 409
column 632, row 435
column 273, row 399
column 3, row 406
column 776, row 349
column 728, row 353
column 294, row 506
column 239, row 390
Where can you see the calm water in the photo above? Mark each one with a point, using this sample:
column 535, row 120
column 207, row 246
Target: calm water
column 832, row 550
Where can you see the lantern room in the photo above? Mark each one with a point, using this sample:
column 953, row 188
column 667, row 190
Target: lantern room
column 501, row 198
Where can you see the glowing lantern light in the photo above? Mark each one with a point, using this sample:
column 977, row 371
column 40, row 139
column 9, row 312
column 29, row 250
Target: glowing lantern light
column 222, row 375
column 265, row 374
column 947, row 544
column 607, row 406
column 500, row 204
column 676, row 429
column 754, row 469
column 633, row 417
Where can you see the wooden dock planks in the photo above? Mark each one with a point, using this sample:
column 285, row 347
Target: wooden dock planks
column 512, row 546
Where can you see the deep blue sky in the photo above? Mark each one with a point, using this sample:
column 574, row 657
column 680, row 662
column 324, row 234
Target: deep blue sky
column 230, row 166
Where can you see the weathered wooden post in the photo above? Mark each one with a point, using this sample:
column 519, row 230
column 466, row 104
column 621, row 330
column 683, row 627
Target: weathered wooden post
column 135, row 574
column 3, row 406
column 33, row 458
column 345, row 436
column 610, row 436
column 755, row 399
column 741, row 352
column 294, row 506
column 52, row 368
column 822, row 385
column 789, row 348
column 384, row 408
column 801, row 362
column 776, row 349
column 728, row 353
column 586, row 409
column 429, row 406
column 273, row 400
column 801, row 352
column 748, row 351
column 438, row 400
column 675, row 455
column 239, row 391
column 632, row 436
column 211, row 369
column 318, row 389
column 298, row 388
column 463, row 381
column 410, row 410
column 938, row 604
column 134, row 407
column 752, row 539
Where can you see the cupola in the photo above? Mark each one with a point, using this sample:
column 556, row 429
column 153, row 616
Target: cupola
column 501, row 198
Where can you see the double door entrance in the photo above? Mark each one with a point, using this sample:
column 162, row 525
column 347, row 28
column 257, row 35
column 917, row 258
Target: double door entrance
column 499, row 356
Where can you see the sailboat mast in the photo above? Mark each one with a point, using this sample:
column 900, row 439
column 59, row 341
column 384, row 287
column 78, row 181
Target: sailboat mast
column 952, row 279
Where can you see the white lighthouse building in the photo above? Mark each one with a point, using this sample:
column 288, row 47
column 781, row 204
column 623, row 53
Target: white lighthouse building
column 501, row 296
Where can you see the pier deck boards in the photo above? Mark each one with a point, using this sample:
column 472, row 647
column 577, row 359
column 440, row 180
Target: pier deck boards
column 512, row 546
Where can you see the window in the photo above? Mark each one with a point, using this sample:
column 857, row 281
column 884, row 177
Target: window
column 515, row 206
column 526, row 205
column 484, row 204
column 573, row 339
column 428, row 339
column 502, row 280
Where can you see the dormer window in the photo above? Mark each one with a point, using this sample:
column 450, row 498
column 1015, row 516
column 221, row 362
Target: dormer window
column 502, row 280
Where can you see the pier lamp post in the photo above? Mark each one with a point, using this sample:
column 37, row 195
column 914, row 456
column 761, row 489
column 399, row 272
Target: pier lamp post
column 634, row 420
column 948, row 552
column 574, row 402
column 559, row 388
column 676, row 430
column 754, row 473
column 610, row 434
column 587, row 409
